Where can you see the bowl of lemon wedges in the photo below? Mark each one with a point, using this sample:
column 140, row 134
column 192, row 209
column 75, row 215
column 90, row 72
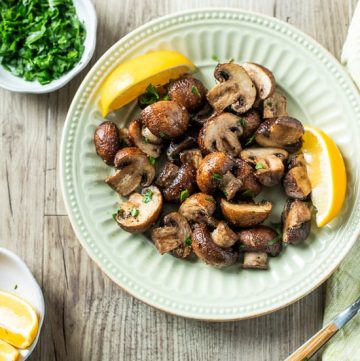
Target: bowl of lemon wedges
column 22, row 308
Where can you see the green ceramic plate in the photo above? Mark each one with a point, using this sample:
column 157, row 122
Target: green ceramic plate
column 319, row 92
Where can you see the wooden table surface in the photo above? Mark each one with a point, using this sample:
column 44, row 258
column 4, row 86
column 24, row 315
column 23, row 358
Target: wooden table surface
column 87, row 316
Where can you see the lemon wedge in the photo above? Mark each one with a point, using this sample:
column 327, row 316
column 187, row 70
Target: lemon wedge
column 19, row 322
column 131, row 78
column 326, row 169
column 7, row 352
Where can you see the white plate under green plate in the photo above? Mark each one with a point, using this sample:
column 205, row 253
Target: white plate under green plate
column 320, row 93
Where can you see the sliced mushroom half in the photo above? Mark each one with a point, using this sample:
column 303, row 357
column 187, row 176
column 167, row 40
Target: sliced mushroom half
column 296, row 181
column 296, row 220
column 140, row 211
column 246, row 214
column 255, row 260
column 235, row 89
column 275, row 106
column 223, row 235
column 134, row 170
column 221, row 133
column 174, row 235
column 208, row 251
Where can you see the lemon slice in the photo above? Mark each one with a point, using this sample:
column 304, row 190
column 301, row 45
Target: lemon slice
column 327, row 174
column 131, row 78
column 19, row 322
column 7, row 352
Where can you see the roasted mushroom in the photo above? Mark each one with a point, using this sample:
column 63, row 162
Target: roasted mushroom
column 182, row 185
column 275, row 106
column 208, row 251
column 143, row 143
column 221, row 133
column 191, row 156
column 140, row 211
column 255, row 260
column 262, row 78
column 282, row 132
column 214, row 173
column 296, row 181
column 296, row 219
column 268, row 163
column 176, row 147
column 107, row 141
column 223, row 235
column 174, row 235
column 250, row 121
column 167, row 175
column 245, row 214
column 134, row 170
column 165, row 119
column 150, row 137
column 199, row 208
column 188, row 92
column 201, row 116
column 234, row 89
column 250, row 186
column 260, row 239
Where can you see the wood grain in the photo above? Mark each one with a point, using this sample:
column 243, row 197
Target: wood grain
column 87, row 316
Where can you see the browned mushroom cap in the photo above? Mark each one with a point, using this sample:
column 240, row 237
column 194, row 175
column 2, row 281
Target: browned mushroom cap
column 296, row 182
column 188, row 92
column 191, row 156
column 167, row 175
column 175, row 147
column 165, row 119
column 184, row 181
column 245, row 214
column 260, row 239
column 280, row 132
column 173, row 236
column 235, row 89
column 134, row 169
column 250, row 186
column 221, row 133
column 140, row 211
column 223, row 235
column 209, row 252
column 268, row 163
column 205, row 113
column 250, row 121
column 141, row 142
column 107, row 141
column 296, row 220
column 255, row 260
column 262, row 78
column 199, row 208
column 275, row 106
column 211, row 170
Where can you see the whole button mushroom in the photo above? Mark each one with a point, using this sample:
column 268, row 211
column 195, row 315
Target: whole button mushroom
column 165, row 119
column 188, row 92
column 107, row 141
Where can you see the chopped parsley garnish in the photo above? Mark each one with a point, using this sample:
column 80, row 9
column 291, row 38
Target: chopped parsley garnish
column 216, row 176
column 215, row 58
column 278, row 238
column 209, row 199
column 242, row 122
column 248, row 193
column 146, row 140
column 269, row 104
column 151, row 160
column 250, row 140
column 195, row 91
column 260, row 166
column 231, row 60
column 150, row 96
column 16, row 286
column 114, row 215
column 188, row 241
column 148, row 196
column 225, row 194
column 163, row 135
column 274, row 240
column 134, row 212
column 40, row 40
column 166, row 97
column 183, row 195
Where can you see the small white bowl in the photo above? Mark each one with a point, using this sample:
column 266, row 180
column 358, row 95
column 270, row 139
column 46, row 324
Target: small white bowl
column 86, row 12
column 16, row 278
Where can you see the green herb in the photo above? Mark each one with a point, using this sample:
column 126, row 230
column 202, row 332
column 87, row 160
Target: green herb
column 250, row 140
column 183, row 195
column 195, row 91
column 225, row 193
column 216, row 176
column 306, row 359
column 163, row 135
column 242, row 122
column 215, row 58
column 231, row 60
column 134, row 212
column 209, row 199
column 278, row 238
column 260, row 166
column 269, row 104
column 150, row 96
column 148, row 196
column 146, row 140
column 274, row 240
column 114, row 215
column 277, row 227
column 248, row 193
column 16, row 286
column 188, row 241
column 166, row 97
column 151, row 160
column 40, row 40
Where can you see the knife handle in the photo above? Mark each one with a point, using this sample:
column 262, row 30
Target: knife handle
column 305, row 351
